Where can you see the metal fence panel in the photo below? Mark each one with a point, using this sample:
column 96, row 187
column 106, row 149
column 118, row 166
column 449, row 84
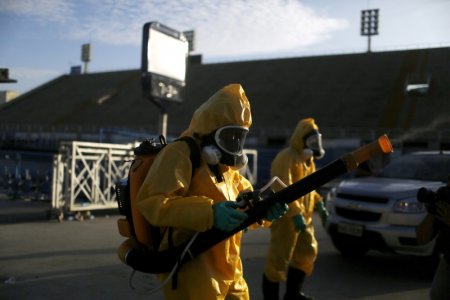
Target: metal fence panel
column 85, row 174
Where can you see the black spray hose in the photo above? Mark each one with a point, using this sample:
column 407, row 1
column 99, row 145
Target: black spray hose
column 163, row 261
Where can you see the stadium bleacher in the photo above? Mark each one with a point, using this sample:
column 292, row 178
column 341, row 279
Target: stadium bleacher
column 351, row 96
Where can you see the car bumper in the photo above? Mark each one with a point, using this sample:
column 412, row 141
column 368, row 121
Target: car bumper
column 384, row 237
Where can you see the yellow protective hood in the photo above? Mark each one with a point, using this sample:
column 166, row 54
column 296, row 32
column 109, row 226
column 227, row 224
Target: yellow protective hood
column 304, row 127
column 228, row 106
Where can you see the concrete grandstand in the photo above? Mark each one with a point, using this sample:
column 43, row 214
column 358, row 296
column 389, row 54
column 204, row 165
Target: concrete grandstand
column 353, row 97
column 350, row 96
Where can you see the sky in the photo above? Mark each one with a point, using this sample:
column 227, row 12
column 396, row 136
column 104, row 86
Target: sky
column 42, row 39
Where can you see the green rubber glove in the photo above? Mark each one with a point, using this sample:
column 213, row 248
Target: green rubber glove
column 276, row 211
column 226, row 217
column 299, row 223
column 323, row 212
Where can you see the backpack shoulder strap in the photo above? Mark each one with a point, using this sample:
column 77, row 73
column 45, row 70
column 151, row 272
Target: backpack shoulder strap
column 194, row 151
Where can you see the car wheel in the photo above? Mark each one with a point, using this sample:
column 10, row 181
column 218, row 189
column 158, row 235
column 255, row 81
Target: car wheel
column 349, row 245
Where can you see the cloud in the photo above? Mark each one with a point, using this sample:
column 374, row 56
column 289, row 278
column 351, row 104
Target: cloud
column 59, row 11
column 28, row 73
column 275, row 25
column 238, row 27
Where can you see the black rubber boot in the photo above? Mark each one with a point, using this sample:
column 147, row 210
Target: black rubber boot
column 270, row 289
column 294, row 285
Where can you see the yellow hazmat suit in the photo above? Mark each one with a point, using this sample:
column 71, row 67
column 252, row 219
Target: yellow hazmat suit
column 172, row 197
column 289, row 247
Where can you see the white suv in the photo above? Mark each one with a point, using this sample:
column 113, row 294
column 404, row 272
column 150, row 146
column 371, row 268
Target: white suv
column 381, row 212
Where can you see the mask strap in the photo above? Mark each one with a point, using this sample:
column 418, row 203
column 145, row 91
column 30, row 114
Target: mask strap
column 216, row 171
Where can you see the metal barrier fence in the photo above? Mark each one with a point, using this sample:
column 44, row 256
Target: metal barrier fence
column 85, row 174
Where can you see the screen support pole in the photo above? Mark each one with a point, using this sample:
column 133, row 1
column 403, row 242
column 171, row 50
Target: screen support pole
column 163, row 117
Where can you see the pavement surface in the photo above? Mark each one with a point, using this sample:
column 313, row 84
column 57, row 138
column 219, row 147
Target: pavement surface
column 42, row 258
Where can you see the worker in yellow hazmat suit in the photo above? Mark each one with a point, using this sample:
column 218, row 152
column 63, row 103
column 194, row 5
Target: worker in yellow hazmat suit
column 172, row 197
column 293, row 247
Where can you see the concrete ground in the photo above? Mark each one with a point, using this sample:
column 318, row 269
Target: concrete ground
column 48, row 259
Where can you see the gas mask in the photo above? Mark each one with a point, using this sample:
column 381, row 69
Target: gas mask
column 225, row 145
column 313, row 143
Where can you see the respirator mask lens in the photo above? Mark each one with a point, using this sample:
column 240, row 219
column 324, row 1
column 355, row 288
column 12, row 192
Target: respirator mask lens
column 314, row 142
column 231, row 139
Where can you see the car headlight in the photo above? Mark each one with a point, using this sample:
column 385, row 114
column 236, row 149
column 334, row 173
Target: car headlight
column 408, row 206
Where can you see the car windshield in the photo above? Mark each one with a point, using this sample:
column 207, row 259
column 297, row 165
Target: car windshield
column 419, row 167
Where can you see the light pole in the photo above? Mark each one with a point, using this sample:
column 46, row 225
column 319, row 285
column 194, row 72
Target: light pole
column 369, row 24
column 86, row 56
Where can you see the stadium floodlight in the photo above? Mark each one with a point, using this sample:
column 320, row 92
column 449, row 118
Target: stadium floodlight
column 86, row 55
column 164, row 57
column 4, row 76
column 190, row 36
column 369, row 24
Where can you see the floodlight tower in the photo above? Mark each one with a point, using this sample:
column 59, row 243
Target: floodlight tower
column 163, row 66
column 4, row 76
column 86, row 56
column 190, row 36
column 369, row 24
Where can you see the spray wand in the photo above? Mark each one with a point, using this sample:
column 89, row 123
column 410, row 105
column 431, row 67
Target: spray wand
column 148, row 261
